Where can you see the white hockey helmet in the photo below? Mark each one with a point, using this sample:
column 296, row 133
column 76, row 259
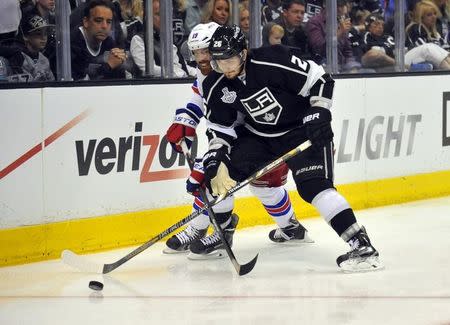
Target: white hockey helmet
column 200, row 36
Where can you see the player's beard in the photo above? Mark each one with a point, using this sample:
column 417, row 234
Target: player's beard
column 236, row 72
column 204, row 66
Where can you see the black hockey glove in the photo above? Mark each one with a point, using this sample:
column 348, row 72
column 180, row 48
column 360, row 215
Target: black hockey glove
column 212, row 160
column 318, row 126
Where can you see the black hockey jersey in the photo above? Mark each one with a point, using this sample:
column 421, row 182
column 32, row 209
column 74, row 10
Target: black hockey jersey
column 416, row 35
column 277, row 91
column 385, row 42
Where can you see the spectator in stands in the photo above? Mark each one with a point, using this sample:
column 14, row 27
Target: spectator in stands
column 26, row 3
column 95, row 54
column 35, row 34
column 218, row 11
column 137, row 50
column 423, row 39
column 313, row 8
column 23, row 59
column 4, row 67
column 193, row 15
column 128, row 12
column 291, row 20
column 378, row 47
column 178, row 18
column 244, row 19
column 443, row 21
column 46, row 10
column 272, row 34
column 373, row 6
column 316, row 30
column 10, row 15
column 43, row 8
column 77, row 16
column 357, row 31
column 270, row 11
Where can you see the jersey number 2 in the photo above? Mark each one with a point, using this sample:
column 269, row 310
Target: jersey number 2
column 302, row 64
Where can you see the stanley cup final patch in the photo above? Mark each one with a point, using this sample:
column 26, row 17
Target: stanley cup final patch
column 263, row 107
column 228, row 96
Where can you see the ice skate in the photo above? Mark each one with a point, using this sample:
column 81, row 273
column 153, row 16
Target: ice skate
column 180, row 242
column 211, row 247
column 363, row 257
column 294, row 233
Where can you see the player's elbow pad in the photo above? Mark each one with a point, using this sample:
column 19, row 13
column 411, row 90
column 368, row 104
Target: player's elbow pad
column 322, row 92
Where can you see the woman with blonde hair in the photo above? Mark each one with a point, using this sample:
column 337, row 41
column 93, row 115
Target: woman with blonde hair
column 443, row 23
column 423, row 40
column 423, row 27
column 244, row 18
column 218, row 11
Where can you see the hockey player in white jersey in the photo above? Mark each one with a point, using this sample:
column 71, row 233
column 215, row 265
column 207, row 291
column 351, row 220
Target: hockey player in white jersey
column 268, row 189
column 285, row 101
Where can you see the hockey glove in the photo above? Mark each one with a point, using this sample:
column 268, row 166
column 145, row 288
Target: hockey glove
column 183, row 127
column 318, row 126
column 215, row 164
column 196, row 178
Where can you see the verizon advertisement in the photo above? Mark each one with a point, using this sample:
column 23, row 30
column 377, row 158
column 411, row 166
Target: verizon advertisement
column 84, row 152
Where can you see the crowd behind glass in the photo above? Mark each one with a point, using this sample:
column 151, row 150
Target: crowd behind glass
column 47, row 40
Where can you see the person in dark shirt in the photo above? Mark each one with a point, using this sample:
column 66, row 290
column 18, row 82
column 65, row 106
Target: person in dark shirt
column 291, row 20
column 94, row 53
column 270, row 11
column 378, row 47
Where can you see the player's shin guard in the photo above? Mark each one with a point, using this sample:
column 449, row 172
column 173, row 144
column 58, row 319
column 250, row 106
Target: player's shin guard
column 335, row 209
column 211, row 247
column 276, row 202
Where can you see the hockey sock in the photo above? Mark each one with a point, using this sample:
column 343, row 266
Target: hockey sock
column 202, row 221
column 335, row 209
column 277, row 203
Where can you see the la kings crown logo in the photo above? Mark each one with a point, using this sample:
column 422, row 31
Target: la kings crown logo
column 263, row 107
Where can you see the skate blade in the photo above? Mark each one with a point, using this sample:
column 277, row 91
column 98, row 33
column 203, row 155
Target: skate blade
column 293, row 242
column 170, row 251
column 214, row 255
column 359, row 265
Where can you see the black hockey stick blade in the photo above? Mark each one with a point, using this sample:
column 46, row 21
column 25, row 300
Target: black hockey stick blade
column 247, row 268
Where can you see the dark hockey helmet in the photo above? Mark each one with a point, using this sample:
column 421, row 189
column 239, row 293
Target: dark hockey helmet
column 226, row 42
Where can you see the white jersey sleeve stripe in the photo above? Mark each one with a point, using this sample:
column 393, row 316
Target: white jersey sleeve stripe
column 212, row 88
column 279, row 66
column 315, row 74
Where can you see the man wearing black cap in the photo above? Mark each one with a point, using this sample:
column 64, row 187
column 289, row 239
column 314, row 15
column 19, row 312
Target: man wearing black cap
column 35, row 35
column 45, row 9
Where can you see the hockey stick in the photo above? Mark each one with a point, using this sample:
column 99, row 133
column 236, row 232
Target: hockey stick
column 78, row 262
column 240, row 269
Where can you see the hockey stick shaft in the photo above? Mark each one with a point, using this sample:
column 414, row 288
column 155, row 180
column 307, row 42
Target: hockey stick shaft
column 240, row 269
column 110, row 267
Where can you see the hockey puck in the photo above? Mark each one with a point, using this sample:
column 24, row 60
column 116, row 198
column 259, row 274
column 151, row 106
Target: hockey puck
column 95, row 285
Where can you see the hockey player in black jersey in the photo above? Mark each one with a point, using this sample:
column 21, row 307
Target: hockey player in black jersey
column 284, row 101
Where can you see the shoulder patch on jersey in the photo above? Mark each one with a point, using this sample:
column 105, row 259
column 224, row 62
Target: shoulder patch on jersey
column 263, row 107
column 228, row 96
